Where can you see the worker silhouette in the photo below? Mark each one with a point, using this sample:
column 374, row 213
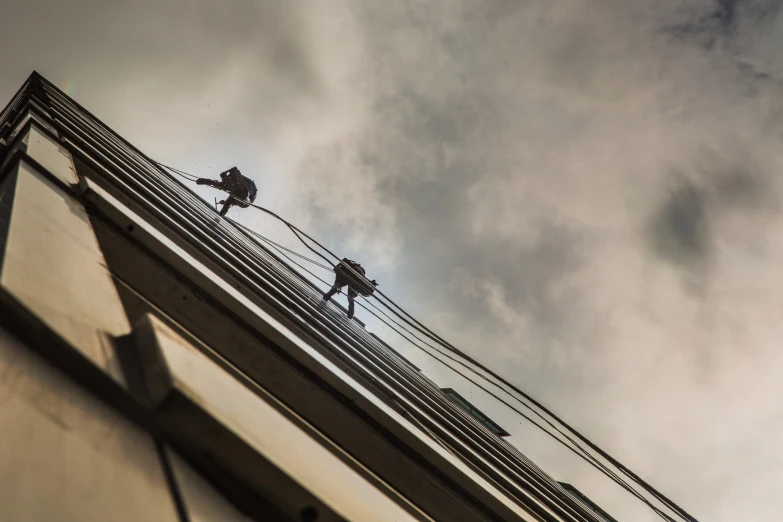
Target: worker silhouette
column 241, row 190
column 356, row 284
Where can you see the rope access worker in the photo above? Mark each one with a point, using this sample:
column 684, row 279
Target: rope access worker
column 241, row 190
column 356, row 285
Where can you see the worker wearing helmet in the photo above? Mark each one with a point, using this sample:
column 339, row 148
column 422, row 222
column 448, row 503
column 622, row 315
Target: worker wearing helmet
column 346, row 272
column 241, row 189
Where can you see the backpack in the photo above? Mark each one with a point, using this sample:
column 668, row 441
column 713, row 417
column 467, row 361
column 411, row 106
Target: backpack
column 353, row 264
column 252, row 191
column 360, row 285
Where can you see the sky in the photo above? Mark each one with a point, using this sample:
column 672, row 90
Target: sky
column 581, row 194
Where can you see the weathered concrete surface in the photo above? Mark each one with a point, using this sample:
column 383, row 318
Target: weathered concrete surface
column 208, row 411
column 51, row 155
column 53, row 265
column 65, row 456
column 203, row 503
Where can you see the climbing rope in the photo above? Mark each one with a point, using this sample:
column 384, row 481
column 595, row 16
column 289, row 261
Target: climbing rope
column 279, row 246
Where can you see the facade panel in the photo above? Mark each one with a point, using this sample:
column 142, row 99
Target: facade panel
column 202, row 406
column 65, row 456
column 52, row 264
column 7, row 189
column 200, row 500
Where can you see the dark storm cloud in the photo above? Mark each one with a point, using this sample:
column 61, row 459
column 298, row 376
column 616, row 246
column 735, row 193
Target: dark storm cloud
column 679, row 230
column 722, row 17
column 719, row 21
column 739, row 188
column 683, row 229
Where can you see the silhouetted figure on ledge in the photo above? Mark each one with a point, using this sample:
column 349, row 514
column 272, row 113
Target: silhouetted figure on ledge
column 356, row 285
column 241, row 189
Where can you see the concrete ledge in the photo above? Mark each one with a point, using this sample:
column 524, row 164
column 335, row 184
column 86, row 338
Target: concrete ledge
column 53, row 264
column 213, row 417
column 61, row 353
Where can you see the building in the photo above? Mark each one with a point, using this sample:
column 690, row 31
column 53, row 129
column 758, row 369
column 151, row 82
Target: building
column 157, row 364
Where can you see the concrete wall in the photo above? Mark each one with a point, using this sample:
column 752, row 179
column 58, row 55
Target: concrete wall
column 67, row 454
column 67, row 457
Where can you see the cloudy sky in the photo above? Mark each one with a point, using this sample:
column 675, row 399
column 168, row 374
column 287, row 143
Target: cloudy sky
column 583, row 194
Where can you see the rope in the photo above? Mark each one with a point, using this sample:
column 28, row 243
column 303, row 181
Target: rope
column 278, row 246
column 423, row 329
column 181, row 173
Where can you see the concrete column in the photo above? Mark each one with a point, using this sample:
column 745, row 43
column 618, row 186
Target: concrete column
column 51, row 262
column 65, row 455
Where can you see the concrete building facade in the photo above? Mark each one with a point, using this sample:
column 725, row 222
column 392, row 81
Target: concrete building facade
column 157, row 364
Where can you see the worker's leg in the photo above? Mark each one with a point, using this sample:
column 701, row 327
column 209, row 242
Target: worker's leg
column 339, row 282
column 328, row 295
column 226, row 206
column 351, row 297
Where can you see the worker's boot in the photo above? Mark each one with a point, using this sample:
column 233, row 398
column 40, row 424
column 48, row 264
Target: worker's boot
column 350, row 308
